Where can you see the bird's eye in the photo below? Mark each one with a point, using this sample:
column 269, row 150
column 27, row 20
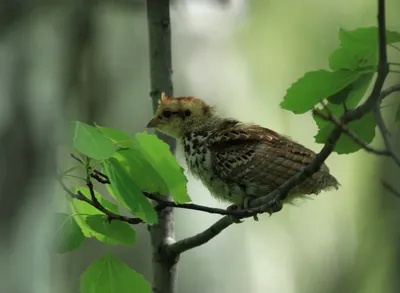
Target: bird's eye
column 188, row 113
column 167, row 114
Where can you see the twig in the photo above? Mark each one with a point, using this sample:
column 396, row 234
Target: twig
column 394, row 47
column 190, row 206
column 89, row 182
column 385, row 133
column 390, row 188
column 350, row 133
column 390, row 90
column 97, row 175
column 110, row 215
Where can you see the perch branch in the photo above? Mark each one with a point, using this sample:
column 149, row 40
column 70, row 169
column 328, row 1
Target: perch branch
column 190, row 206
column 199, row 239
column 162, row 202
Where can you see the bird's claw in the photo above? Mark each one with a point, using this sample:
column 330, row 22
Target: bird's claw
column 274, row 206
column 243, row 206
column 233, row 218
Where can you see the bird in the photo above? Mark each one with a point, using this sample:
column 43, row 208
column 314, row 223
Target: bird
column 237, row 161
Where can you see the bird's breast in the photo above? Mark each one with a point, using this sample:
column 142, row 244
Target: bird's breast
column 197, row 155
column 199, row 161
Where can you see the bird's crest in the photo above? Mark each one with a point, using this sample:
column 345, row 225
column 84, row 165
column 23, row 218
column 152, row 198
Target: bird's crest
column 189, row 101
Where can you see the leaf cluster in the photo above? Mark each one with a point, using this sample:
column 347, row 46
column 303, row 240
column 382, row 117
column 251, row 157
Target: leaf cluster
column 352, row 68
column 133, row 166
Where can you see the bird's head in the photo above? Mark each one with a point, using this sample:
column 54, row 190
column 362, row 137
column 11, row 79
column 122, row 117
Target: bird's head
column 180, row 115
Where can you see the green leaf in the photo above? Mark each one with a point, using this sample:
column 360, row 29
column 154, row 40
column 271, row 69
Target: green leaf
column 115, row 230
column 141, row 171
column 354, row 58
column 125, row 190
column 363, row 128
column 90, row 142
column 118, row 137
column 68, row 235
column 314, row 87
column 158, row 154
column 341, row 96
column 359, row 49
column 110, row 275
column 83, row 210
column 359, row 88
column 354, row 92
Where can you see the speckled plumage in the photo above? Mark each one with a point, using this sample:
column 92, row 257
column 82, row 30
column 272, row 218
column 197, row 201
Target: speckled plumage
column 236, row 160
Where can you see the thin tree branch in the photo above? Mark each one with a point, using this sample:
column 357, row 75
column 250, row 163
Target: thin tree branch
column 110, row 215
column 385, row 133
column 191, row 242
column 390, row 188
column 389, row 91
column 97, row 175
column 330, row 117
column 394, row 47
column 163, row 202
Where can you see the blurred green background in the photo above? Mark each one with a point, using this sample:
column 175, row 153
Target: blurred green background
column 240, row 56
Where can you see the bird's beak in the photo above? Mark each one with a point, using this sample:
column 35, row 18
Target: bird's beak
column 153, row 123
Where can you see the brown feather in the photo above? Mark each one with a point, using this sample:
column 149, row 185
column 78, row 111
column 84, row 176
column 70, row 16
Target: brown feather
column 248, row 154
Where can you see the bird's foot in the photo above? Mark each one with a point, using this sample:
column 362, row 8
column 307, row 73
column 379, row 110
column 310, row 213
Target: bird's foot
column 245, row 206
column 274, row 206
column 232, row 217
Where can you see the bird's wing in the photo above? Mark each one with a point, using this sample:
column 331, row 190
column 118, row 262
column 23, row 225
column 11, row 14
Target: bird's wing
column 256, row 155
